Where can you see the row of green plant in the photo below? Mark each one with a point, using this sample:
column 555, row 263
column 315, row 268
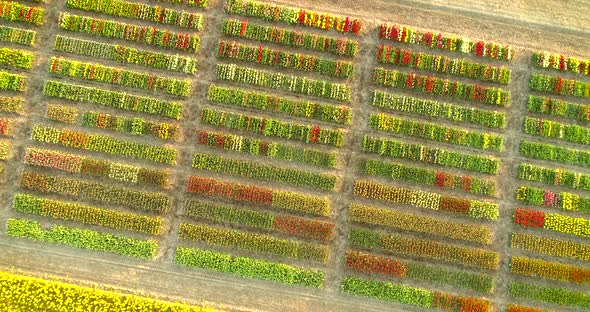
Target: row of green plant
column 13, row 11
column 192, row 3
column 17, row 35
column 559, row 85
column 560, row 62
column 563, row 200
column 12, row 82
column 551, row 129
column 574, row 180
column 269, row 102
column 438, row 110
column 430, row 155
column 16, row 58
column 553, row 295
column 557, row 153
column 549, row 106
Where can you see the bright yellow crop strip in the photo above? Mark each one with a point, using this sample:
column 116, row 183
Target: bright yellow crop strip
column 24, row 293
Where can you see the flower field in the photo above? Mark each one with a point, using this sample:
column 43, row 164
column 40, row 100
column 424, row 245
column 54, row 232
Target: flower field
column 550, row 246
column 553, row 152
column 574, row 180
column 549, row 270
column 16, row 58
column 564, row 200
column 551, row 129
column 18, row 12
column 560, row 62
column 552, row 221
column 17, row 35
column 555, row 107
column 559, row 85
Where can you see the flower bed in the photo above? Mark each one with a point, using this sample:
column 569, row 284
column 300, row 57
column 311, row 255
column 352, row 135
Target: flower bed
column 434, row 40
column 136, row 126
column 554, row 295
column 119, row 76
column 11, row 104
column 574, row 180
column 549, row 106
column 249, row 267
column 265, row 244
column 438, row 110
column 92, row 167
column 270, row 102
column 419, row 223
column 12, row 82
column 121, row 100
column 126, row 55
column 254, row 195
column 293, row 16
column 553, row 152
column 192, row 3
column 17, row 12
column 430, row 155
column 559, row 62
column 17, row 35
column 245, row 29
column 284, row 59
column 413, row 296
column 435, row 132
column 280, row 81
column 6, row 126
column 100, row 192
column 272, row 127
column 259, row 147
column 552, row 129
column 414, row 247
column 255, row 170
column 4, row 150
column 552, row 221
column 82, row 238
column 441, row 87
column 517, row 308
column 563, row 200
column 418, row 198
column 130, row 32
column 559, row 85
column 550, row 246
column 16, row 58
column 549, row 270
column 295, row 226
column 140, row 11
column 425, row 176
column 87, row 214
column 402, row 269
column 438, row 63
column 104, row 144
column 62, row 113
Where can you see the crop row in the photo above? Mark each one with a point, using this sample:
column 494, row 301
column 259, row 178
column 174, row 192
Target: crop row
column 292, row 15
column 62, row 113
column 248, row 267
column 561, row 63
column 419, row 223
column 140, row 11
column 438, row 63
column 125, row 54
column 436, row 132
column 35, row 294
column 6, row 126
column 82, row 238
column 93, row 167
column 420, row 297
column 559, row 85
column 263, row 172
column 192, row 3
column 96, row 191
column 549, row 270
column 425, row 176
column 563, row 200
column 549, row 106
column 545, row 151
column 552, row 221
column 442, row 87
column 87, row 214
column 16, row 58
column 253, row 242
column 272, row 127
column 284, row 59
column 418, row 198
column 434, row 40
column 119, row 76
column 295, row 226
column 430, row 155
column 259, row 147
column 402, row 269
column 435, row 109
column 552, row 129
column 17, row 35
column 11, row 104
column 130, row 32
column 550, row 246
column 18, row 12
column 121, row 100
column 287, row 37
column 554, row 295
column 270, row 102
column 426, row 249
column 12, row 82
column 255, row 195
column 104, row 144
column 280, row 81
column 574, row 180
column 4, row 150
column 519, row 308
